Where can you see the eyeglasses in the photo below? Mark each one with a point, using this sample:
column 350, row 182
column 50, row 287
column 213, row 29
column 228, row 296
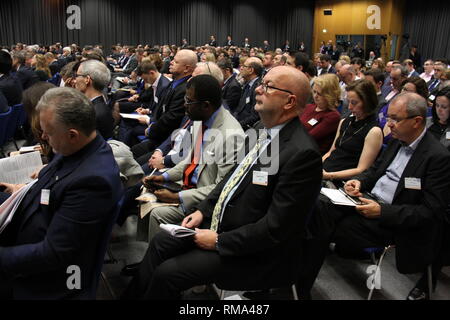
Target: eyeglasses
column 244, row 66
column 188, row 102
column 266, row 87
column 395, row 121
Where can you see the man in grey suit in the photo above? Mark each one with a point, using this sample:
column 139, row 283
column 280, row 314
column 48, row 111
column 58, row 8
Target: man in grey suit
column 219, row 128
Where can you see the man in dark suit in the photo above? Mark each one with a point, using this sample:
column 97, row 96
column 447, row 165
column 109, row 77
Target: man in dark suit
column 245, row 112
column 143, row 103
column 325, row 63
column 91, row 78
column 25, row 74
column 64, row 217
column 246, row 44
column 212, row 41
column 250, row 223
column 409, row 186
column 231, row 90
column 169, row 111
column 266, row 46
column 10, row 86
column 229, row 42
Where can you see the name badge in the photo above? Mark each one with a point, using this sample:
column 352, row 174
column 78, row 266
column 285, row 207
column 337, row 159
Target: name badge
column 413, row 183
column 431, row 98
column 247, row 101
column 447, row 135
column 261, row 178
column 45, row 197
column 312, row 122
column 155, row 98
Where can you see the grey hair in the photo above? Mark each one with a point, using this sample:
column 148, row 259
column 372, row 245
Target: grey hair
column 416, row 105
column 403, row 71
column 98, row 72
column 212, row 69
column 72, row 109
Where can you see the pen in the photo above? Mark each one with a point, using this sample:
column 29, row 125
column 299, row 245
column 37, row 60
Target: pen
column 142, row 187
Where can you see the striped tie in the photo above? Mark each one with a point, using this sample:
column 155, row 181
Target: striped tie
column 251, row 156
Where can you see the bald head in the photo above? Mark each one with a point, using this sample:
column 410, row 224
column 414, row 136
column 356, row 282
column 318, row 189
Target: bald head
column 287, row 101
column 183, row 64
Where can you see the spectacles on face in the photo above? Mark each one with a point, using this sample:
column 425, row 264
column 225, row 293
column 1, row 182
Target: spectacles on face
column 188, row 102
column 396, row 120
column 266, row 87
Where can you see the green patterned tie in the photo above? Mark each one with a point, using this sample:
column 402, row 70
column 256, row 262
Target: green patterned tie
column 235, row 180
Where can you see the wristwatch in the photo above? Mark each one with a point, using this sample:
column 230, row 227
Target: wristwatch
column 217, row 243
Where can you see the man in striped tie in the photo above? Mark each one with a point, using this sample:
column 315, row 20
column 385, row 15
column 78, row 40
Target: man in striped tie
column 249, row 228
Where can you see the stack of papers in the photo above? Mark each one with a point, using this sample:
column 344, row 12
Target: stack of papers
column 134, row 116
column 177, row 231
column 18, row 169
column 9, row 207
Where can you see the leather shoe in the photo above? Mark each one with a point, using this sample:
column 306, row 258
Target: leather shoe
column 417, row 294
column 130, row 270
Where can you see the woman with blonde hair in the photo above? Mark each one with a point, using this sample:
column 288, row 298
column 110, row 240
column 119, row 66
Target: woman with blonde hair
column 41, row 68
column 321, row 119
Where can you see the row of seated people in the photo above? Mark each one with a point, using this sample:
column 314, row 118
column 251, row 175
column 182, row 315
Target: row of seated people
column 207, row 104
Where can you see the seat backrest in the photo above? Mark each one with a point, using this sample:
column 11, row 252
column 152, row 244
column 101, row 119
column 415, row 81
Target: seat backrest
column 4, row 120
column 13, row 122
column 102, row 249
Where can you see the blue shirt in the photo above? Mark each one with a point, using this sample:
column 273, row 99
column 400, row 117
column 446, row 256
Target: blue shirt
column 385, row 187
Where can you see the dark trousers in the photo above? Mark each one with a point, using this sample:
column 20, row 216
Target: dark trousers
column 172, row 265
column 143, row 151
column 344, row 226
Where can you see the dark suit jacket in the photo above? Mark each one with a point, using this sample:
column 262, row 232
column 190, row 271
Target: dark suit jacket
column 231, row 93
column 12, row 89
column 42, row 241
column 266, row 223
column 330, row 70
column 55, row 67
column 27, row 76
column 148, row 96
column 213, row 43
column 131, row 65
column 168, row 113
column 245, row 112
column 415, row 216
column 104, row 118
column 3, row 103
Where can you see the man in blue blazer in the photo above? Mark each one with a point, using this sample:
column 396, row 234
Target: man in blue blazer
column 52, row 248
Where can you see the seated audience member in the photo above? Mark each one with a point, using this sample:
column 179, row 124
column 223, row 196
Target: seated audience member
column 31, row 97
column 325, row 64
column 245, row 113
column 155, row 85
column 203, row 103
column 409, row 188
column 440, row 111
column 358, row 63
column 377, row 78
column 347, row 75
column 25, row 74
column 53, row 64
column 409, row 65
column 438, row 78
column 249, row 233
column 378, row 64
column 358, row 139
column 48, row 236
column 398, row 76
column 91, row 78
column 321, row 119
column 10, row 86
column 41, row 67
column 231, row 90
column 428, row 70
column 169, row 111
column 68, row 75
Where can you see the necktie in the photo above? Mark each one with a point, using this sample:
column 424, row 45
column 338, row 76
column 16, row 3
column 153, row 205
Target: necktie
column 196, row 155
column 251, row 156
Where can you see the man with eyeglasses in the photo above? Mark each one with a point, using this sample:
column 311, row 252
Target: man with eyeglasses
column 404, row 196
column 250, row 227
column 251, row 72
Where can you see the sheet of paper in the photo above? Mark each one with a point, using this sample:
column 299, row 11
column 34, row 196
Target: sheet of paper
column 133, row 116
column 18, row 169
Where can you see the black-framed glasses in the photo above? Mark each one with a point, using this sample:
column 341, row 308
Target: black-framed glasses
column 188, row 102
column 265, row 87
column 395, row 121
